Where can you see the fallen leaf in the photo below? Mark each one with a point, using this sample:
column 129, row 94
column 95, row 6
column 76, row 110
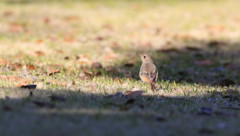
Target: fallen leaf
column 66, row 58
column 15, row 66
column 8, row 13
column 15, row 27
column 119, row 80
column 28, row 86
column 89, row 74
column 39, row 53
column 68, row 39
column 46, row 20
column 96, row 65
column 30, row 67
column 53, row 71
column 22, row 82
column 39, row 41
column 99, row 38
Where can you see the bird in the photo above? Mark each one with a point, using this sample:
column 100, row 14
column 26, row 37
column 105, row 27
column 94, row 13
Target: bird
column 148, row 71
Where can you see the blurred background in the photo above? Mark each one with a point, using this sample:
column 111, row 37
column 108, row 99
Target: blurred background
column 115, row 32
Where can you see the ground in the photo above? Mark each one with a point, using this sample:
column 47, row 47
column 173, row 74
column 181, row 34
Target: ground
column 83, row 57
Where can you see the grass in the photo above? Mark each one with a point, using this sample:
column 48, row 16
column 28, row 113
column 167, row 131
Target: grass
column 195, row 45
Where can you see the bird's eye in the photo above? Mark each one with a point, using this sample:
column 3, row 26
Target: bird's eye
column 144, row 56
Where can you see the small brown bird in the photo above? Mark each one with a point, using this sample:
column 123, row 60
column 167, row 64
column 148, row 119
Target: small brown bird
column 148, row 71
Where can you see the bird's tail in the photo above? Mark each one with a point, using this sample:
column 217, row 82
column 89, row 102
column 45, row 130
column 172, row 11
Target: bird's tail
column 153, row 88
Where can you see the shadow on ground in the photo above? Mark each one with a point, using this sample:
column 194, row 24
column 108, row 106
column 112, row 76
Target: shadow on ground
column 71, row 112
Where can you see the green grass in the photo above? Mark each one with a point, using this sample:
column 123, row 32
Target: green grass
column 68, row 37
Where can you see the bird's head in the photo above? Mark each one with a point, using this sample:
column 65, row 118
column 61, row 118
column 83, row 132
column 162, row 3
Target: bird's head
column 145, row 58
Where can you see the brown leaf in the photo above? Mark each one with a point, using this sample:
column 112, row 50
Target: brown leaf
column 22, row 82
column 96, row 65
column 68, row 39
column 15, row 27
column 53, row 71
column 46, row 20
column 99, row 38
column 89, row 74
column 66, row 58
column 8, row 13
column 30, row 67
column 39, row 41
column 109, row 57
column 15, row 66
column 119, row 80
column 39, row 53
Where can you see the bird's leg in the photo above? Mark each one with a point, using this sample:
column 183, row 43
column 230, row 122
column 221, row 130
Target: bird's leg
column 153, row 88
